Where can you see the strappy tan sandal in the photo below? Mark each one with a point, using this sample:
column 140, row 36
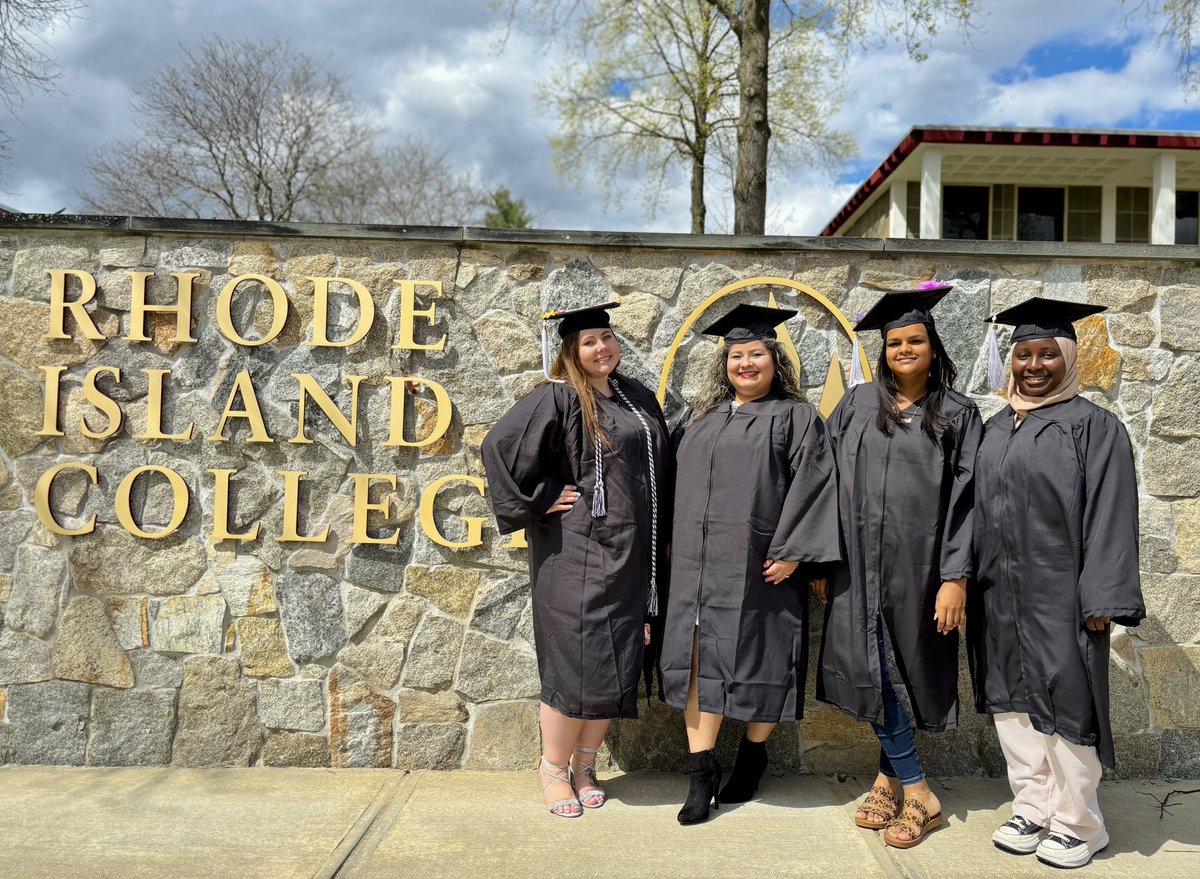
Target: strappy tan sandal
column 914, row 819
column 559, row 773
column 880, row 801
column 596, row 797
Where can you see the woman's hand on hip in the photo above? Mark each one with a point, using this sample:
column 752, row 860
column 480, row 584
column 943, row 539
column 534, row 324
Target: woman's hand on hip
column 566, row 499
column 776, row 572
column 950, row 609
column 820, row 588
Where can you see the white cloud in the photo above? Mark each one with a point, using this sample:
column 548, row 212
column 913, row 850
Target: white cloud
column 430, row 67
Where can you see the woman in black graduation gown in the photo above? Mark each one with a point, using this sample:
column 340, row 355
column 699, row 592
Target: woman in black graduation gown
column 755, row 509
column 1056, row 538
column 905, row 450
column 583, row 464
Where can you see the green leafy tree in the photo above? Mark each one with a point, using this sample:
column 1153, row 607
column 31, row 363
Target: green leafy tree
column 505, row 212
column 744, row 87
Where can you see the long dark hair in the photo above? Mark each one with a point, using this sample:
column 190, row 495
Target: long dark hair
column 942, row 376
column 717, row 388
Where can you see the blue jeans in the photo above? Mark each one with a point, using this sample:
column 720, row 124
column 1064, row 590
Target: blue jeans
column 897, row 746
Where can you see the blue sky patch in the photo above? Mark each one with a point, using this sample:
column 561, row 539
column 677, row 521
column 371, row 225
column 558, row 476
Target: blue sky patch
column 1065, row 55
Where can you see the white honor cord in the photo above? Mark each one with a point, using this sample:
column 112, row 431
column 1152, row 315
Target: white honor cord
column 652, row 603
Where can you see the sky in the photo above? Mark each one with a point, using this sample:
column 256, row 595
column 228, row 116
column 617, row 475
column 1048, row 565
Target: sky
column 435, row 68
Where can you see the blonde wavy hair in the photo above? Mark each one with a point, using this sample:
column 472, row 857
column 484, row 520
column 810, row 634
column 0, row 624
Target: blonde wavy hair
column 717, row 388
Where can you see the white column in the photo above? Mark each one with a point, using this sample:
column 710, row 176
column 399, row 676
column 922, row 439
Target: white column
column 1108, row 213
column 931, row 194
column 898, row 209
column 1162, row 201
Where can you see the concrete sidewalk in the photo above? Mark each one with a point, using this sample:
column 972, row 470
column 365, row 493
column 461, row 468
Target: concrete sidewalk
column 179, row 823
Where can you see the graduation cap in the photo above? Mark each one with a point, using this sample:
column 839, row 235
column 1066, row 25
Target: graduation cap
column 1035, row 318
column 903, row 309
column 572, row 321
column 896, row 310
column 749, row 323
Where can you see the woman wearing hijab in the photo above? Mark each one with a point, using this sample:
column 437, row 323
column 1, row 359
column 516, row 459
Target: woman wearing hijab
column 582, row 464
column 756, row 511
column 905, row 450
column 1056, row 541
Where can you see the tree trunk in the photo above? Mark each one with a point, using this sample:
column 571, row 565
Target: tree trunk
column 699, row 210
column 753, row 133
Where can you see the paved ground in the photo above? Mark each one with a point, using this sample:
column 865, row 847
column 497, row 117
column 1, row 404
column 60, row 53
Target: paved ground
column 133, row 823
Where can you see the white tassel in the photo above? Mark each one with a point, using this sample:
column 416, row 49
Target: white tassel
column 546, row 355
column 856, row 370
column 599, row 506
column 996, row 379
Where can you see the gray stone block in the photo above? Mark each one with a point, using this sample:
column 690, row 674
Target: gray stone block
column 217, row 725
column 49, row 723
column 131, row 728
column 291, row 704
column 37, row 588
column 310, row 606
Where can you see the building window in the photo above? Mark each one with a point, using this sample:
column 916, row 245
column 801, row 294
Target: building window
column 1004, row 211
column 965, row 212
column 1040, row 213
column 1186, row 213
column 1083, row 213
column 1133, row 215
column 913, row 212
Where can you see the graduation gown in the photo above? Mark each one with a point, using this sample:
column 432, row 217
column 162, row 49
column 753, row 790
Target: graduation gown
column 752, row 483
column 590, row 577
column 1056, row 542
column 905, row 503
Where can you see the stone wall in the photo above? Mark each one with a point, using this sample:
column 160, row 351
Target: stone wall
column 121, row 650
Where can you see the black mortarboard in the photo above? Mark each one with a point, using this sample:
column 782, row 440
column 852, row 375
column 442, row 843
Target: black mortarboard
column 748, row 323
column 591, row 317
column 1039, row 318
column 903, row 309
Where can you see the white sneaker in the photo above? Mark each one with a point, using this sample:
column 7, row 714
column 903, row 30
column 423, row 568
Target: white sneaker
column 1018, row 836
column 1061, row 850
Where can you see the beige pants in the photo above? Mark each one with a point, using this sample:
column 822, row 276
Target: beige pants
column 1053, row 781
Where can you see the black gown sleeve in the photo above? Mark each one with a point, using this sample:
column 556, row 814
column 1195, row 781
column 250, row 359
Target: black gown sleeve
column 522, row 456
column 958, row 558
column 808, row 523
column 1109, row 582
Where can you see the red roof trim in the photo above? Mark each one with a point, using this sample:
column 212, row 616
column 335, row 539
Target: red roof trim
column 994, row 137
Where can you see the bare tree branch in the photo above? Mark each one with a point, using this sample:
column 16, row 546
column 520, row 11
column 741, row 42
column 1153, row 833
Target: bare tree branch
column 258, row 131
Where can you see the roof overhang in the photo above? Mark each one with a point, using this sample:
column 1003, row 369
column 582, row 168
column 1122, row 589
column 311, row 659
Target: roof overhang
column 1028, row 156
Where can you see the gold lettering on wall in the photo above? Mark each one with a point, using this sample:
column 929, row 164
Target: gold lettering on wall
column 179, row 494
column 409, row 311
column 291, row 511
column 104, row 404
column 347, row 427
column 220, row 526
column 243, row 387
column 50, row 405
column 363, row 507
column 41, row 499
column 181, row 308
column 279, row 310
column 441, row 401
column 59, row 305
column 429, row 525
column 366, row 313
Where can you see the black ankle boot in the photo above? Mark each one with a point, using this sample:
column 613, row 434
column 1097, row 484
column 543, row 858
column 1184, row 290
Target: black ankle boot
column 747, row 772
column 705, row 780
